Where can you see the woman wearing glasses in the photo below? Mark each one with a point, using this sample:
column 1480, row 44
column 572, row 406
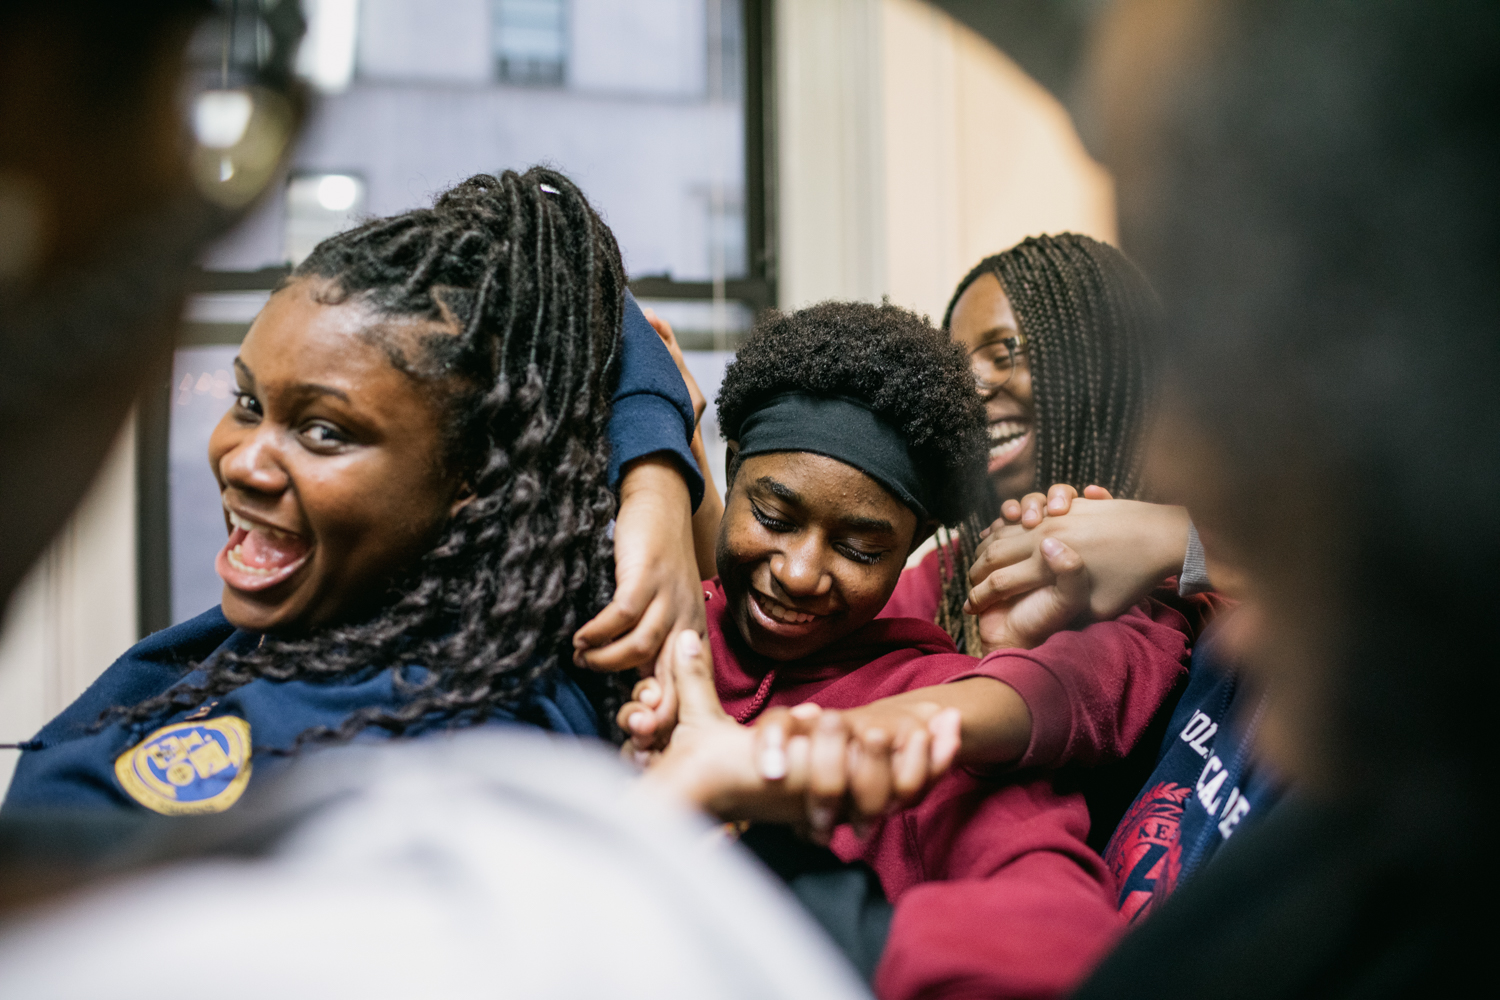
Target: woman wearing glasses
column 1056, row 329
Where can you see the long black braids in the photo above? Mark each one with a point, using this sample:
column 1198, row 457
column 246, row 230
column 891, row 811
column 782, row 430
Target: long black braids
column 1086, row 314
column 533, row 280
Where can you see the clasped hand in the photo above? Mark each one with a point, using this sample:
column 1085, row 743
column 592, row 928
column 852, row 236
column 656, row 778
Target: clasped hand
column 811, row 767
column 1037, row 571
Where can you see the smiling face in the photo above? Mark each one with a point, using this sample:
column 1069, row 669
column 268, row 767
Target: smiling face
column 329, row 463
column 809, row 550
column 983, row 317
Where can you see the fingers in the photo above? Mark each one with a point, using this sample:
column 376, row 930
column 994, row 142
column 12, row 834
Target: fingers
column 639, row 723
column 870, row 778
column 663, row 329
column 618, row 617
column 946, row 729
column 1072, row 575
column 910, row 766
column 771, row 735
column 1097, row 493
column 693, row 677
column 664, row 708
column 827, row 777
column 1059, row 498
column 647, row 691
column 1002, row 550
column 637, row 647
column 1033, row 509
column 1004, row 584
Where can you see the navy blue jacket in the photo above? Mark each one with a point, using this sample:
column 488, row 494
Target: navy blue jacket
column 70, row 764
column 652, row 410
column 1205, row 787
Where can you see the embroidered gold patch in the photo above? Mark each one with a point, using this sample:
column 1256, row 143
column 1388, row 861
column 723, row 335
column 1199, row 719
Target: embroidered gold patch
column 188, row 767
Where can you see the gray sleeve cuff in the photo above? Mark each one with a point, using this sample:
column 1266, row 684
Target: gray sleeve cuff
column 1194, row 578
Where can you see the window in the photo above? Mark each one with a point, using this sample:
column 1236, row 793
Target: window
column 317, row 206
column 531, row 41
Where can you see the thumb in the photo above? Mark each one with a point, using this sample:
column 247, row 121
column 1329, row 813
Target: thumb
column 693, row 670
column 1072, row 586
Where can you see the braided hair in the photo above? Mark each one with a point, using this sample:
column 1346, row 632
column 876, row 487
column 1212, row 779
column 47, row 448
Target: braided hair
column 532, row 278
column 1086, row 313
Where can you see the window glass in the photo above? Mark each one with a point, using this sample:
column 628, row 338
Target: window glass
column 531, row 41
column 648, row 118
column 317, row 206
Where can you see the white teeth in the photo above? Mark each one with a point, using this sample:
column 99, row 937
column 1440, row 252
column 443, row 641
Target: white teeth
column 1005, row 433
column 240, row 522
column 1002, row 430
column 782, row 613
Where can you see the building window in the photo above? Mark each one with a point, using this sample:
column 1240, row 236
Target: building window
column 531, row 41
column 317, row 206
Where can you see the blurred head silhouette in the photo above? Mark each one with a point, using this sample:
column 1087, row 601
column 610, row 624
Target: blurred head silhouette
column 1310, row 186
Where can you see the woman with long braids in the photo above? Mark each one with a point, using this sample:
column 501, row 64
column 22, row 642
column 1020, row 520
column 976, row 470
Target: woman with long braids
column 1056, row 329
column 416, row 477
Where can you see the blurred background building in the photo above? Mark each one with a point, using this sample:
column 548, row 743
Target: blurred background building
column 747, row 154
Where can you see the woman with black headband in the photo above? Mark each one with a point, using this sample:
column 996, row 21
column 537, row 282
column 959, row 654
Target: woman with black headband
column 855, row 432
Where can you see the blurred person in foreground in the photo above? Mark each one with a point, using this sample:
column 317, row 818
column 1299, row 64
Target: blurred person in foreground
column 100, row 222
column 1311, row 187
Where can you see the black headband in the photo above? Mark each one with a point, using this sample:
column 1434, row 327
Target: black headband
column 842, row 429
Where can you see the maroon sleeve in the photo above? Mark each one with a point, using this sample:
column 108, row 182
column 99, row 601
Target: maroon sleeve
column 1093, row 692
column 1033, row 929
column 1013, row 903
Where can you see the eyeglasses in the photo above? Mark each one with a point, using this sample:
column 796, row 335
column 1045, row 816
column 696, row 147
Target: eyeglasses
column 995, row 362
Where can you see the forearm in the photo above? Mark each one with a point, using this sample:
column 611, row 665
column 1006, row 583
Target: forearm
column 996, row 722
column 655, row 481
column 708, row 515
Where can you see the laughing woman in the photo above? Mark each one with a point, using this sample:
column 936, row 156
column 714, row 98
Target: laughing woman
column 1056, row 329
column 416, row 475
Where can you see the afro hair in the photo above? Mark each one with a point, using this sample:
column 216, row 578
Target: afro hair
column 894, row 362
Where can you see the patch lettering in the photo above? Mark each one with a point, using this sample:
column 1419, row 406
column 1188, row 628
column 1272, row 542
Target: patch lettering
column 188, row 768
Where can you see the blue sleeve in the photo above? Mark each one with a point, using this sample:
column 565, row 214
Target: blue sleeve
column 652, row 410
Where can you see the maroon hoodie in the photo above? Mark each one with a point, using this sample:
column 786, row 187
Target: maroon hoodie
column 996, row 892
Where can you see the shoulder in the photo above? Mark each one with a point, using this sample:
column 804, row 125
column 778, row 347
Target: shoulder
column 143, row 671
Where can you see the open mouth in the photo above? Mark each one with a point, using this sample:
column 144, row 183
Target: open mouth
column 1008, row 439
column 777, row 618
column 258, row 556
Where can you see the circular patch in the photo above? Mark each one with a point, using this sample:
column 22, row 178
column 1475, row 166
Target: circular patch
column 188, row 767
